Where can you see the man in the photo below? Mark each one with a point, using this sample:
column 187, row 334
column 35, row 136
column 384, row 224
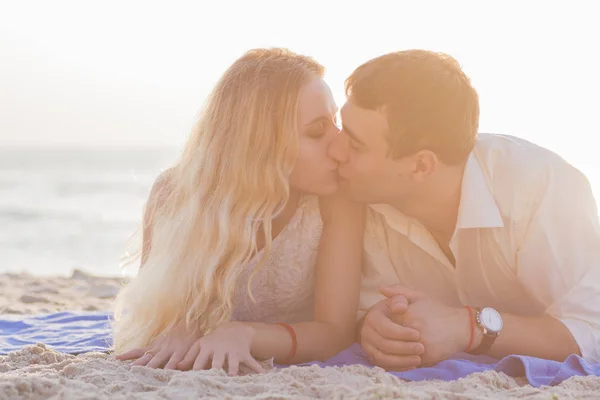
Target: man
column 458, row 219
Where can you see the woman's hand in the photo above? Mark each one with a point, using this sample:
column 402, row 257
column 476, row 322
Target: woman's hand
column 166, row 351
column 229, row 343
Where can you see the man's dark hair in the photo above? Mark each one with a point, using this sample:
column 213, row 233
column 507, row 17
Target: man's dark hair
column 428, row 101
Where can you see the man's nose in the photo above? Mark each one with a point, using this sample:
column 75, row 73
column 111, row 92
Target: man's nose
column 338, row 148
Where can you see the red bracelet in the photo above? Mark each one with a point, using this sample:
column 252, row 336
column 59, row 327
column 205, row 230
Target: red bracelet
column 472, row 320
column 294, row 340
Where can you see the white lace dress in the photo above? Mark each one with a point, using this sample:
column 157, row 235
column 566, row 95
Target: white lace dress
column 284, row 286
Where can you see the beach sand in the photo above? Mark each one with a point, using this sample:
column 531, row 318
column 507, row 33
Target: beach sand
column 38, row 372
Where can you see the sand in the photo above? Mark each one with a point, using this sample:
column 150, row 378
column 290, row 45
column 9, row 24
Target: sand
column 38, row 372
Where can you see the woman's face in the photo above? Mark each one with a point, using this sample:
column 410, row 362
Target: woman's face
column 315, row 172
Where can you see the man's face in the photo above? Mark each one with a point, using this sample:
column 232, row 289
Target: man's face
column 367, row 174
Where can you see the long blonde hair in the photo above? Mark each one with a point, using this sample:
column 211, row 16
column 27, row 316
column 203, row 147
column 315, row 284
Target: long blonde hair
column 231, row 180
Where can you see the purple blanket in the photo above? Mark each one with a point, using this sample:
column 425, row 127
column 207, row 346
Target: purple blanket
column 84, row 332
column 538, row 372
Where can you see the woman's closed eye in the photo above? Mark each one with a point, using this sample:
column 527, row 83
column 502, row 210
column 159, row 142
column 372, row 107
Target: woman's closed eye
column 318, row 129
column 321, row 128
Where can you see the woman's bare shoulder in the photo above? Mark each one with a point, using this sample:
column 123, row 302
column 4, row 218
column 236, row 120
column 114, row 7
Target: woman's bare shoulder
column 162, row 188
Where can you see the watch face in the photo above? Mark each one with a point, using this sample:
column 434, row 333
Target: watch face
column 491, row 320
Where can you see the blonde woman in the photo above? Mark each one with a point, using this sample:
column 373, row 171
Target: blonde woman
column 248, row 254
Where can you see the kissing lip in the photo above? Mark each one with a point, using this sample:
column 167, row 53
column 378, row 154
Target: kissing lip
column 340, row 175
column 341, row 179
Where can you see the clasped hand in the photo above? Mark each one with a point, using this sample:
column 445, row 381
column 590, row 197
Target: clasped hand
column 409, row 329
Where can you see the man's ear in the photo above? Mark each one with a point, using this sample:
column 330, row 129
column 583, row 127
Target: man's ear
column 424, row 163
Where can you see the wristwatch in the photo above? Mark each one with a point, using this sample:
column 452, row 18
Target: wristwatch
column 490, row 322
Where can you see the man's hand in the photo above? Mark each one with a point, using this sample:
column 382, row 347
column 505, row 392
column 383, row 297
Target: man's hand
column 444, row 330
column 388, row 344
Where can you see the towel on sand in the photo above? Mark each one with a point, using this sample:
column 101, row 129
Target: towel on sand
column 77, row 332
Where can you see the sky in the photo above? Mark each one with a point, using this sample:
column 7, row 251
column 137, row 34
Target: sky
column 136, row 73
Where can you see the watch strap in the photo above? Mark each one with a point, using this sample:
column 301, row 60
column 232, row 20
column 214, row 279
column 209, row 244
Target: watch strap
column 485, row 344
column 488, row 337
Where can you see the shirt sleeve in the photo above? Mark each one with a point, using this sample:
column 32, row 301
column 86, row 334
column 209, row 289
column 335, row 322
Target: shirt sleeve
column 558, row 258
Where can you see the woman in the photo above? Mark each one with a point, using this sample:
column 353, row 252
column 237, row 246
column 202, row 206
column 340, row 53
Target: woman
column 230, row 270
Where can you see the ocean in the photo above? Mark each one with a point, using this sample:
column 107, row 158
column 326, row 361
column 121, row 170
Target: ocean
column 66, row 208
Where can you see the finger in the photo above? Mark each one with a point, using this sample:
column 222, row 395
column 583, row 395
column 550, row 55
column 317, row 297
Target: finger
column 188, row 361
column 143, row 360
column 175, row 359
column 253, row 364
column 400, row 290
column 398, row 305
column 203, row 360
column 160, row 359
column 381, row 325
column 392, row 290
column 398, row 347
column 218, row 360
column 131, row 354
column 233, row 364
column 391, row 362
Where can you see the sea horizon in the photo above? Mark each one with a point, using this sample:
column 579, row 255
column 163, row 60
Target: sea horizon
column 68, row 207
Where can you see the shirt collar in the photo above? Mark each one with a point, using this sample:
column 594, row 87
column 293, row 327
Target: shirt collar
column 477, row 209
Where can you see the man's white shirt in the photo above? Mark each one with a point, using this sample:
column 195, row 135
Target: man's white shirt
column 527, row 242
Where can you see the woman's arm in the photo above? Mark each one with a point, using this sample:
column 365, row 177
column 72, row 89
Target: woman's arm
column 339, row 263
